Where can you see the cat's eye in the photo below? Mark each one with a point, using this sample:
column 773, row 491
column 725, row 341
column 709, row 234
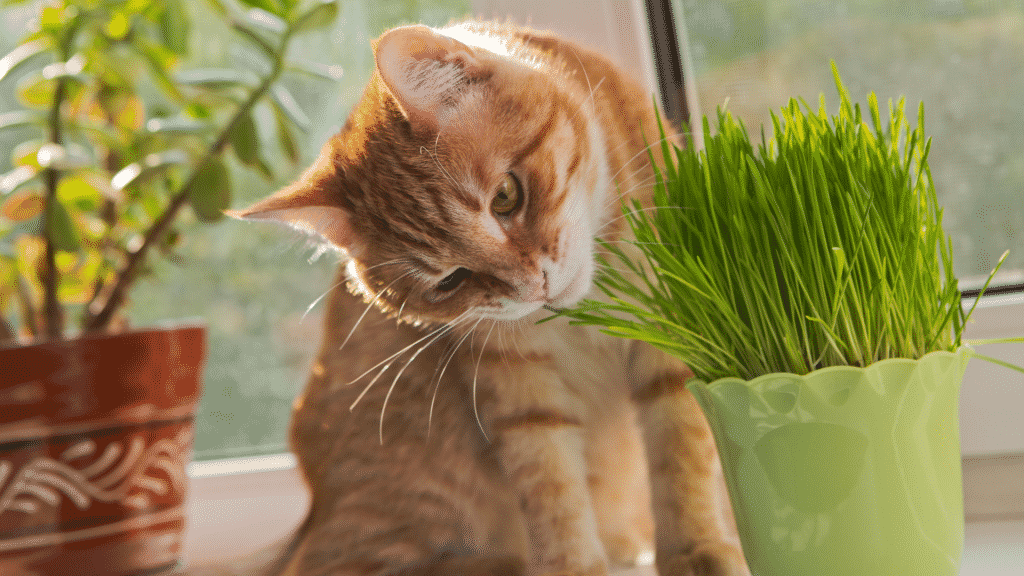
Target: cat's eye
column 508, row 196
column 453, row 280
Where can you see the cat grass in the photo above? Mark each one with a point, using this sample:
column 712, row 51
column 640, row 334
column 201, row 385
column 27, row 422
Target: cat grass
column 822, row 246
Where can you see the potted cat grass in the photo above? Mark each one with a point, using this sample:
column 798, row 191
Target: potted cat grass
column 809, row 285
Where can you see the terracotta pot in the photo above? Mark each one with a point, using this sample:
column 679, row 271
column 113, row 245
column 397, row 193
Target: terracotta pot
column 95, row 434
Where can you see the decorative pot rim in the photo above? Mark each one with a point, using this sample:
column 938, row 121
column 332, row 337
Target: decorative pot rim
column 170, row 325
column 773, row 376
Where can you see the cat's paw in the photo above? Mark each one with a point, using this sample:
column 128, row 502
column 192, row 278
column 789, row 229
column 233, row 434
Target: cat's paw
column 708, row 559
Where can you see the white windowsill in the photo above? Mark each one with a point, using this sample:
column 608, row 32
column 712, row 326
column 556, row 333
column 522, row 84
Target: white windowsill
column 268, row 492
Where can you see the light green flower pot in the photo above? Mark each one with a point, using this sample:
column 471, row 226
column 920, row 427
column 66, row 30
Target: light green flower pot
column 845, row 471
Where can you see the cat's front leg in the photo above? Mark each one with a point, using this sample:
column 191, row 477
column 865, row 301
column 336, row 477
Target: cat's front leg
column 695, row 534
column 540, row 443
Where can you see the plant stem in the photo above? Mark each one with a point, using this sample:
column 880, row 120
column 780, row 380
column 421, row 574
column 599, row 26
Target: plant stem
column 53, row 313
column 126, row 277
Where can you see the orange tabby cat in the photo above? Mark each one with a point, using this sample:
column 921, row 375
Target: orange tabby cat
column 466, row 192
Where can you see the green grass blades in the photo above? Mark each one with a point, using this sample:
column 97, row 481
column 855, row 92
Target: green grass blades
column 821, row 247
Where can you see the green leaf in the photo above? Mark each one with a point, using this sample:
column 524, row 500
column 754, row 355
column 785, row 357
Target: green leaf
column 18, row 57
column 210, row 193
column 321, row 15
column 218, row 7
column 175, row 27
column 52, row 19
column 118, row 26
column 71, row 70
column 24, row 154
column 245, row 140
column 59, row 157
column 284, row 101
column 80, row 193
column 20, row 206
column 261, row 42
column 264, row 169
column 160, row 60
column 271, row 6
column 266, row 19
column 62, row 228
column 177, row 124
column 217, row 78
column 17, row 178
column 131, row 173
column 325, row 71
column 36, row 92
column 18, row 119
column 284, row 135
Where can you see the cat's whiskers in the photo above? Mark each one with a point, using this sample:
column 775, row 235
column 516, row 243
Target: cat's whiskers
column 447, row 327
column 617, row 198
column 331, row 289
column 634, row 212
column 476, row 373
column 433, row 156
column 368, row 306
column 644, row 182
column 592, row 88
column 522, row 330
column 627, row 163
column 368, row 386
column 430, row 414
column 638, row 243
column 452, row 324
column 502, row 346
column 317, row 301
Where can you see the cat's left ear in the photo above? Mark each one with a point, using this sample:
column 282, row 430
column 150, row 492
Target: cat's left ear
column 426, row 71
column 311, row 205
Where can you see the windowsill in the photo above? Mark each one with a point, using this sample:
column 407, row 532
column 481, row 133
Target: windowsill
column 229, row 497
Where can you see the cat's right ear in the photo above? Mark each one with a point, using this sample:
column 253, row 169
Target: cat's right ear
column 310, row 205
column 425, row 71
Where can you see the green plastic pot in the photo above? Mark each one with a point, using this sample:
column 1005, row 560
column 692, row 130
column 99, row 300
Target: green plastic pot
column 845, row 471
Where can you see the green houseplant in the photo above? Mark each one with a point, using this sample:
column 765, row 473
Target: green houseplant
column 118, row 149
column 809, row 285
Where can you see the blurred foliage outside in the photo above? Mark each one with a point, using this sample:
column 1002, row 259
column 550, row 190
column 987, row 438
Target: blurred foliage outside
column 963, row 58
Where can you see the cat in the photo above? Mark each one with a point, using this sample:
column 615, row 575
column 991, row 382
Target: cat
column 442, row 430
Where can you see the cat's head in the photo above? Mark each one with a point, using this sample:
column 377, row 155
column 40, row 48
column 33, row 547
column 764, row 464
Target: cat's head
column 467, row 180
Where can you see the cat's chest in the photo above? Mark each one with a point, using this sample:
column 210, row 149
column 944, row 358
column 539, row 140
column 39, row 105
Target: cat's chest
column 594, row 366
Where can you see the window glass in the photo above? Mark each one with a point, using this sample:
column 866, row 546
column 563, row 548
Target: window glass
column 963, row 58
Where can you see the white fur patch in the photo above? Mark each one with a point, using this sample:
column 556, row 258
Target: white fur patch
column 425, row 82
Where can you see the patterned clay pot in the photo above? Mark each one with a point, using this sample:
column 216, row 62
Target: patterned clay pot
column 845, row 471
column 95, row 434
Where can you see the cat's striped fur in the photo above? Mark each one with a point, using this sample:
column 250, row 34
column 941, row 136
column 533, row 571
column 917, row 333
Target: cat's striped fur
column 488, row 444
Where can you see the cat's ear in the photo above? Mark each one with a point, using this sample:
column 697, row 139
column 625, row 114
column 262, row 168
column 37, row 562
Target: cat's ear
column 310, row 204
column 425, row 71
